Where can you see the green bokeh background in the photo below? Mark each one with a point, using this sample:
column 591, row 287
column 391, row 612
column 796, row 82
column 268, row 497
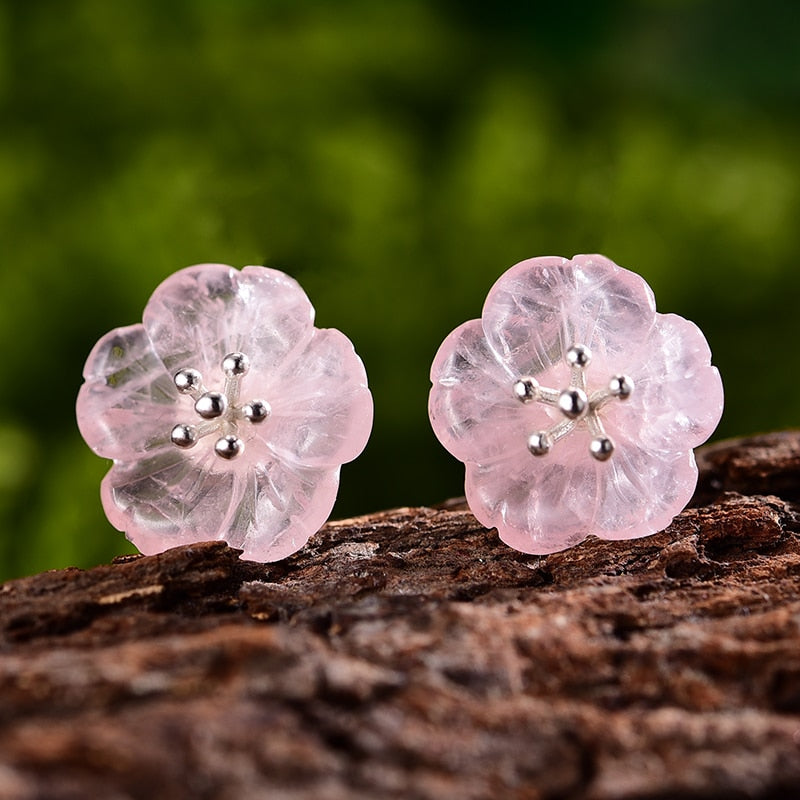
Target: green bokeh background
column 395, row 157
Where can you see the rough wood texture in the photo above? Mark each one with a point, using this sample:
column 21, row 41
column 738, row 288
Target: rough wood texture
column 408, row 654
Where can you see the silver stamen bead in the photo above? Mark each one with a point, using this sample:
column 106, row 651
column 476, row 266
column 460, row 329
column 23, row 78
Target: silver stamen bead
column 539, row 443
column 601, row 447
column 211, row 405
column 229, row 447
column 621, row 386
column 187, row 380
column 573, row 403
column 256, row 410
column 183, row 436
column 235, row 364
column 526, row 389
column 579, row 355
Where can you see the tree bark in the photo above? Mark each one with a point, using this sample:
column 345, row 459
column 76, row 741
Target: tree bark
column 410, row 654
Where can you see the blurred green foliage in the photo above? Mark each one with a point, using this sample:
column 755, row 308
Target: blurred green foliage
column 395, row 157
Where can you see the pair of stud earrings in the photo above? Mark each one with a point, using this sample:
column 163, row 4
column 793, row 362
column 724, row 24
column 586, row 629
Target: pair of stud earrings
column 573, row 404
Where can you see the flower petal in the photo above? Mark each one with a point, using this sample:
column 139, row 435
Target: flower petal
column 472, row 407
column 643, row 492
column 678, row 399
column 552, row 503
column 541, row 307
column 202, row 313
column 126, row 407
column 172, row 498
column 321, row 406
column 280, row 508
column 258, row 504
column 538, row 504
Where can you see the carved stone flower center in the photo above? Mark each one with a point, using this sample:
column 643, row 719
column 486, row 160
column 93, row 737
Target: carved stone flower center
column 219, row 413
column 580, row 409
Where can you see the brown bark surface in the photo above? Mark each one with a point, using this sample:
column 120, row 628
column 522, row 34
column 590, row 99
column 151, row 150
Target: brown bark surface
column 409, row 654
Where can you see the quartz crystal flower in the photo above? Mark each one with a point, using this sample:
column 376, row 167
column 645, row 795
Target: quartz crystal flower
column 226, row 412
column 574, row 405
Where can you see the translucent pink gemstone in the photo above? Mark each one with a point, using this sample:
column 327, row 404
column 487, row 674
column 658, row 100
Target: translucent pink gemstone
column 532, row 316
column 269, row 500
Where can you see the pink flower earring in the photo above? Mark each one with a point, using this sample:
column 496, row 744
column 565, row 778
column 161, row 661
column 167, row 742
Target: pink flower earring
column 226, row 412
column 574, row 405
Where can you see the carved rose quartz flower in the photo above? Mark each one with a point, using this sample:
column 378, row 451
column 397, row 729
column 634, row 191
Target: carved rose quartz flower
column 574, row 405
column 226, row 412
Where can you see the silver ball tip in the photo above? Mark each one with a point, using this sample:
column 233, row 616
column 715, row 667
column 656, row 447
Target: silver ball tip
column 256, row 410
column 187, row 380
column 235, row 364
column 579, row 355
column 526, row 389
column 183, row 436
column 211, row 405
column 540, row 443
column 601, row 448
column 621, row 386
column 573, row 403
column 229, row 447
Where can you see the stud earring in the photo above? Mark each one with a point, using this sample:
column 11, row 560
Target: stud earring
column 226, row 412
column 574, row 405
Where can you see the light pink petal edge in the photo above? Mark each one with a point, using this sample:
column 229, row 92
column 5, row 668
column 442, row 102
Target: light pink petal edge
column 322, row 409
column 200, row 314
column 471, row 405
column 540, row 307
column 536, row 511
column 126, row 406
column 679, row 398
column 269, row 510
